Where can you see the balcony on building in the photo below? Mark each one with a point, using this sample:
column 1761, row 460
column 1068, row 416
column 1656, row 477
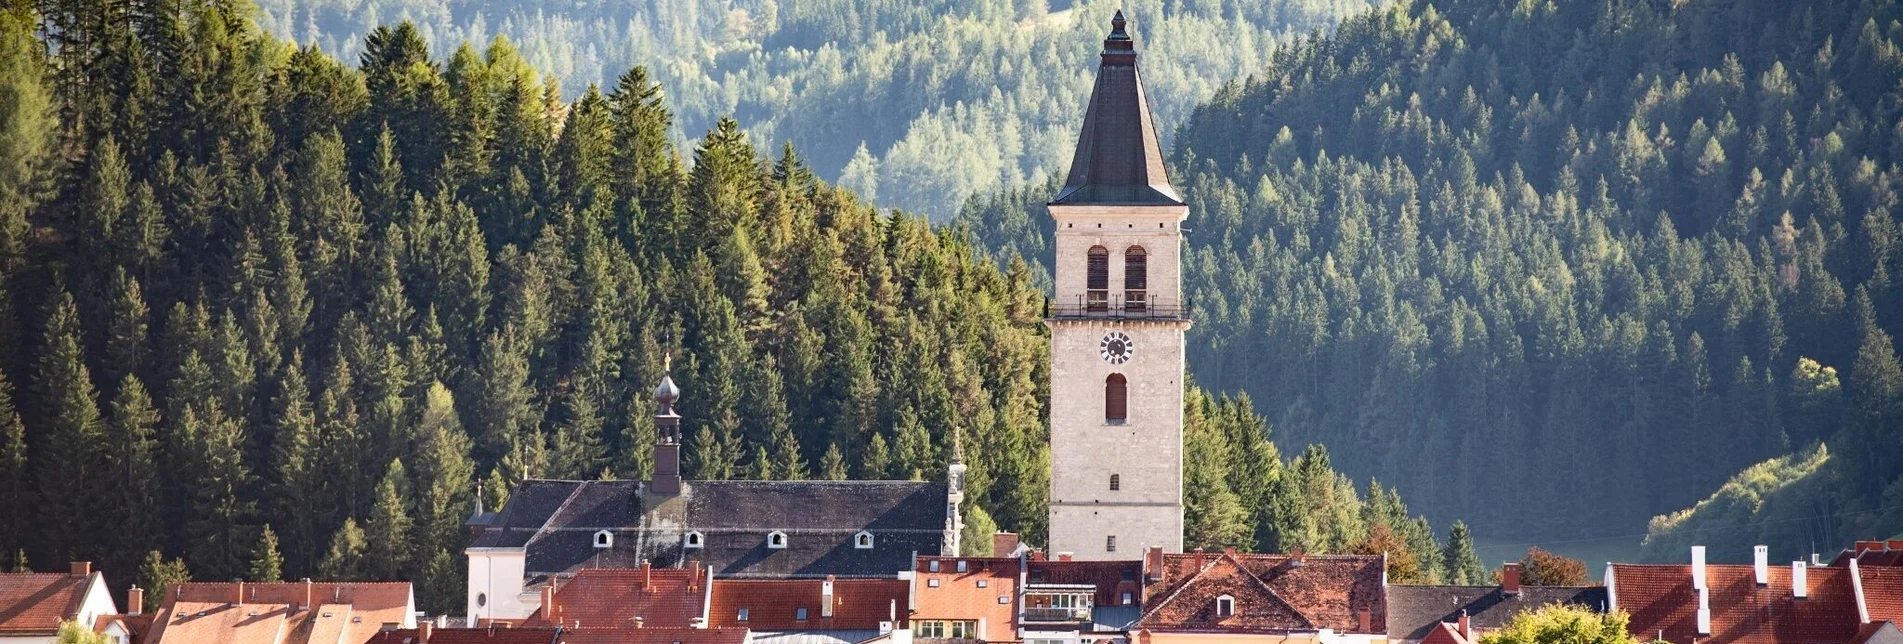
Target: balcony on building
column 1124, row 305
column 1058, row 603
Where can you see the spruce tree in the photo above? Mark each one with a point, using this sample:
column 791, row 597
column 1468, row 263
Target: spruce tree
column 15, row 495
column 345, row 561
column 445, row 478
column 295, row 481
column 266, row 564
column 157, row 575
column 133, row 453
column 72, row 464
column 832, row 466
column 220, row 528
column 1462, row 564
column 388, row 532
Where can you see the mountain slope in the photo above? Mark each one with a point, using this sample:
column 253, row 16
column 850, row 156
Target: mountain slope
column 1553, row 266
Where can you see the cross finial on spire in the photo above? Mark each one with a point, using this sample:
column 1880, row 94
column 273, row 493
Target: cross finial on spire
column 1116, row 25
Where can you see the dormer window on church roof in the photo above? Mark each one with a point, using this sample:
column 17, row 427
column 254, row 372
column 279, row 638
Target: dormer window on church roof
column 776, row 540
column 604, row 539
column 862, row 541
column 693, row 540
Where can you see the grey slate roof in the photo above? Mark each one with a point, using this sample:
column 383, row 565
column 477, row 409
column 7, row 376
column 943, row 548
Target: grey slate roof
column 555, row 522
column 1413, row 610
column 1118, row 159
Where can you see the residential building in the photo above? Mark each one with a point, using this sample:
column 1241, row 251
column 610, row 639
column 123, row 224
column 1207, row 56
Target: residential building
column 429, row 634
column 1417, row 611
column 1117, row 318
column 1068, row 601
column 813, row 611
column 965, row 598
column 553, row 529
column 302, row 612
column 1737, row 604
column 1212, row 597
column 644, row 596
column 34, row 604
column 1872, row 553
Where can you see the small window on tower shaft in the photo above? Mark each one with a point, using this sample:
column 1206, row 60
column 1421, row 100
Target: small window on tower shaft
column 1110, row 543
column 1116, row 482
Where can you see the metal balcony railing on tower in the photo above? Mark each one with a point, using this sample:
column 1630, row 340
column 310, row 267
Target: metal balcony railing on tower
column 1103, row 305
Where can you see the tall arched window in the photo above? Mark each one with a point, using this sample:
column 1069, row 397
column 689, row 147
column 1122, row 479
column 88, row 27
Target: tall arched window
column 1097, row 280
column 1136, row 279
column 1116, row 399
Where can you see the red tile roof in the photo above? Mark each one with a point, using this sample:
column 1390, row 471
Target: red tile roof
column 1882, row 592
column 1663, row 605
column 497, row 635
column 279, row 613
column 1273, row 593
column 773, row 605
column 650, row 636
column 36, row 602
column 609, row 597
column 1112, row 578
column 1445, row 633
column 959, row 596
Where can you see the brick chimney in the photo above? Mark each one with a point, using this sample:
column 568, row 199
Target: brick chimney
column 1063, row 556
column 424, row 630
column 82, row 569
column 1198, row 560
column 1003, row 543
column 1153, row 563
column 1510, row 579
column 1229, row 550
column 310, row 593
column 1365, row 619
column 667, row 450
column 239, row 587
column 135, row 600
column 548, row 602
column 1466, row 626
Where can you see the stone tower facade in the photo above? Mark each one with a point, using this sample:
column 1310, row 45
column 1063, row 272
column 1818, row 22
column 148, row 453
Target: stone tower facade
column 1117, row 321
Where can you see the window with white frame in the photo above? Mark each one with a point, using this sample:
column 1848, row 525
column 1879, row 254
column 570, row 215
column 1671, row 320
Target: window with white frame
column 604, row 539
column 1225, row 606
column 776, row 540
column 694, row 540
column 862, row 541
column 945, row 629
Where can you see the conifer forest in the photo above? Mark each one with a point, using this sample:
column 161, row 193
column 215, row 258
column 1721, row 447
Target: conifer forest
column 288, row 287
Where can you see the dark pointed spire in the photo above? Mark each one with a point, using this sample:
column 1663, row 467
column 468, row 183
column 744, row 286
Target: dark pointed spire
column 1118, row 159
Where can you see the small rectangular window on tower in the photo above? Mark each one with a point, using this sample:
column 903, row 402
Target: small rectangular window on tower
column 1110, row 543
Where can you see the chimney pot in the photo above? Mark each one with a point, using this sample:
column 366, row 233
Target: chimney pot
column 1761, row 564
column 1510, row 578
column 135, row 600
column 82, row 569
column 1153, row 563
column 1229, row 550
column 1063, row 556
column 1198, row 560
column 239, row 586
column 1366, row 620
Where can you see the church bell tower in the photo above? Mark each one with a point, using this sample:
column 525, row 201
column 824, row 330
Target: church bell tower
column 1117, row 321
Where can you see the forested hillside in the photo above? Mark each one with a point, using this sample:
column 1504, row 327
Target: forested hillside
column 915, row 104
column 1559, row 267
column 266, row 314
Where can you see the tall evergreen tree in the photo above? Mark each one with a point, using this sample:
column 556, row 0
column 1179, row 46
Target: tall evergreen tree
column 72, row 465
column 266, row 564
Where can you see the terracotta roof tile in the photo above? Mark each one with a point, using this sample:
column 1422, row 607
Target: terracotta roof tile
column 1112, row 578
column 1273, row 593
column 1663, row 604
column 553, row 635
column 971, row 595
column 611, row 597
column 1882, row 592
column 773, row 605
column 35, row 602
column 273, row 613
column 498, row 635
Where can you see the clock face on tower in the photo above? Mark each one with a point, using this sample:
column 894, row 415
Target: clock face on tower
column 1116, row 347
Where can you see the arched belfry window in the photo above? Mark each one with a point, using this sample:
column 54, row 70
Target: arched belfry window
column 1116, row 399
column 1136, row 279
column 1097, row 280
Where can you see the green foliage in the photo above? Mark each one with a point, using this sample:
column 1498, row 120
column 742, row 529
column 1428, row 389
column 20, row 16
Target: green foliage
column 1462, row 564
column 1542, row 568
column 157, row 575
column 71, row 632
column 266, row 564
column 346, row 560
column 1561, row 624
column 1551, row 242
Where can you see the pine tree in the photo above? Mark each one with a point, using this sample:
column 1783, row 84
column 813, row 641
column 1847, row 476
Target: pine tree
column 29, row 135
column 126, row 332
column 577, row 450
column 444, row 479
column 133, row 454
column 387, row 533
column 15, row 496
column 219, row 530
column 72, row 466
column 1462, row 564
column 832, row 467
column 157, row 575
column 346, row 560
column 296, row 482
column 266, row 564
